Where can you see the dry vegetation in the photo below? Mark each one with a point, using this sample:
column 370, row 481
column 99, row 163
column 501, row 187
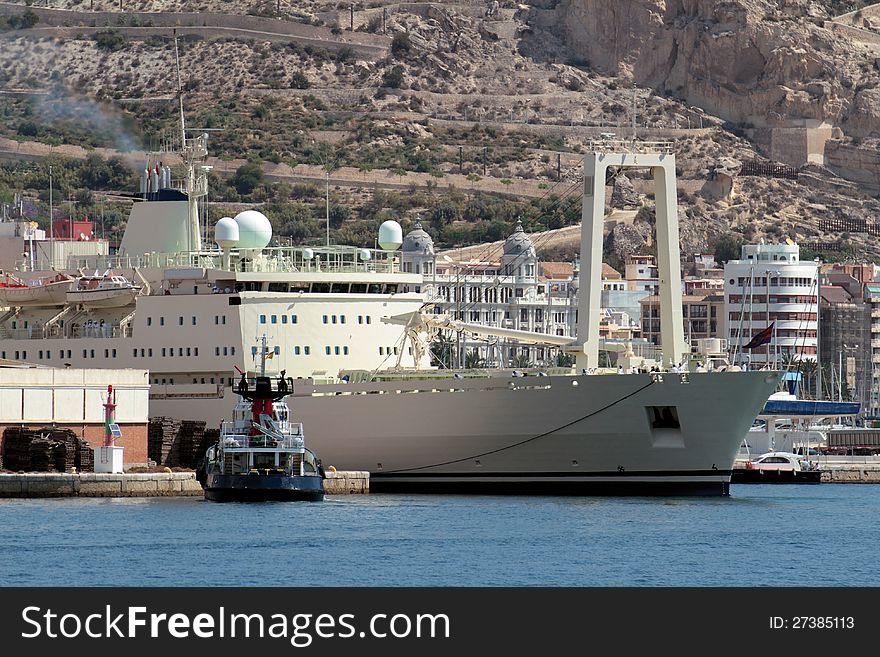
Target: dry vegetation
column 283, row 101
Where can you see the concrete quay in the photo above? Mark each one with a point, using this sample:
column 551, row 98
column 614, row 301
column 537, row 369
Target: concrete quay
column 852, row 474
column 154, row 484
column 352, row 482
column 92, row 484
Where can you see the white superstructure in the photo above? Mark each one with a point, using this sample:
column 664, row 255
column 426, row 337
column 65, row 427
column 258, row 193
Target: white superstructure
column 347, row 321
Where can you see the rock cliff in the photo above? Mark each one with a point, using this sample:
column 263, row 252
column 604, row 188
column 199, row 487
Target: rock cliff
column 752, row 62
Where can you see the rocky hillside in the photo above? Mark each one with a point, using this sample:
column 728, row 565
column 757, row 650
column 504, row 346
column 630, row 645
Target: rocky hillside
column 488, row 101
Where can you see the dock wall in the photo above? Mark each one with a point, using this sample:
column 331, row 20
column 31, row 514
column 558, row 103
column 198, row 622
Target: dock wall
column 90, row 484
column 159, row 484
column 347, row 483
column 852, row 475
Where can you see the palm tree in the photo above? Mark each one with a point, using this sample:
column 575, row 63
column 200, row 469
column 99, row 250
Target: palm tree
column 442, row 349
column 520, row 361
column 563, row 359
column 472, row 360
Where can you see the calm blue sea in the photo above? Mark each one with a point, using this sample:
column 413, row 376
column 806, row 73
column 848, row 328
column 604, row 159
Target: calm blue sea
column 761, row 535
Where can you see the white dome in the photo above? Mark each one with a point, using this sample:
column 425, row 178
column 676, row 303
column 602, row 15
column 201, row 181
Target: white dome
column 390, row 235
column 226, row 233
column 254, row 230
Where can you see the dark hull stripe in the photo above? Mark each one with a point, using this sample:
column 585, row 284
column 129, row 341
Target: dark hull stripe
column 376, row 476
column 607, row 488
column 264, row 495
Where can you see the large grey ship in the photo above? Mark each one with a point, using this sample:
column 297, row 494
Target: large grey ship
column 348, row 325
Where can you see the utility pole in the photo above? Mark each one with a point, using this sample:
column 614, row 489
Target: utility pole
column 485, row 148
column 328, row 207
column 558, row 166
column 51, row 225
column 460, row 166
column 351, row 17
column 384, row 20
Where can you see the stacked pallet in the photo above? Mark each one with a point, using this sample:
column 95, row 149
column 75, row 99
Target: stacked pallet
column 163, row 440
column 40, row 454
column 16, row 446
column 175, row 443
column 48, row 449
column 192, row 443
column 65, row 447
column 84, row 460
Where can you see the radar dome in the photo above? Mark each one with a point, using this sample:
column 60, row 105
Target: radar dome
column 226, row 233
column 254, row 230
column 364, row 254
column 390, row 235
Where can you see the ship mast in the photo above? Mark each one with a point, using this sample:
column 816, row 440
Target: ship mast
column 194, row 185
column 263, row 349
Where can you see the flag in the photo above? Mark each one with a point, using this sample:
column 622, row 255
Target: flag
column 762, row 338
column 269, row 355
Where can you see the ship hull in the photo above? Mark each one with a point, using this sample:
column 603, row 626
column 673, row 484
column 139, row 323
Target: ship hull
column 263, row 488
column 571, row 435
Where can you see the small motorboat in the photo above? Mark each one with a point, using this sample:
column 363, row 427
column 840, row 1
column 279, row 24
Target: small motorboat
column 106, row 291
column 261, row 455
column 45, row 291
column 777, row 468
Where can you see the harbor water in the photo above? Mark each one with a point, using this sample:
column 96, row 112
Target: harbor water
column 760, row 536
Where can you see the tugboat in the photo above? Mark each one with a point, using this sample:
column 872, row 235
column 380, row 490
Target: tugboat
column 261, row 455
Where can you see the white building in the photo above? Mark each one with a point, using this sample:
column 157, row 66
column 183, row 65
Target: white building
column 506, row 294
column 770, row 285
column 642, row 274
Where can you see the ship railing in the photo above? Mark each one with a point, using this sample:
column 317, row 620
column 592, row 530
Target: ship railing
column 57, row 332
column 318, row 259
column 231, row 438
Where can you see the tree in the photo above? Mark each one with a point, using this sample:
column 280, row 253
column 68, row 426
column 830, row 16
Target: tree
column 445, row 213
column 563, row 359
column 95, row 172
column 728, row 247
column 393, row 78
column 298, row 80
column 520, row 361
column 472, row 360
column 248, row 177
column 339, row 214
column 400, row 45
column 441, row 351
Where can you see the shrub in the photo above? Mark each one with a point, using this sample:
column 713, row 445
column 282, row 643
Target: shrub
column 393, row 78
column 109, row 40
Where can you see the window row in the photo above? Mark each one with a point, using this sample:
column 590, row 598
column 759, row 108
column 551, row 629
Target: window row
column 274, row 319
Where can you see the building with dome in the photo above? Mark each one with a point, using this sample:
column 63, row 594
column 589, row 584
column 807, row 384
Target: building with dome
column 509, row 292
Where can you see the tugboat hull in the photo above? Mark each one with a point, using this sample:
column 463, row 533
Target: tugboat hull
column 263, row 488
